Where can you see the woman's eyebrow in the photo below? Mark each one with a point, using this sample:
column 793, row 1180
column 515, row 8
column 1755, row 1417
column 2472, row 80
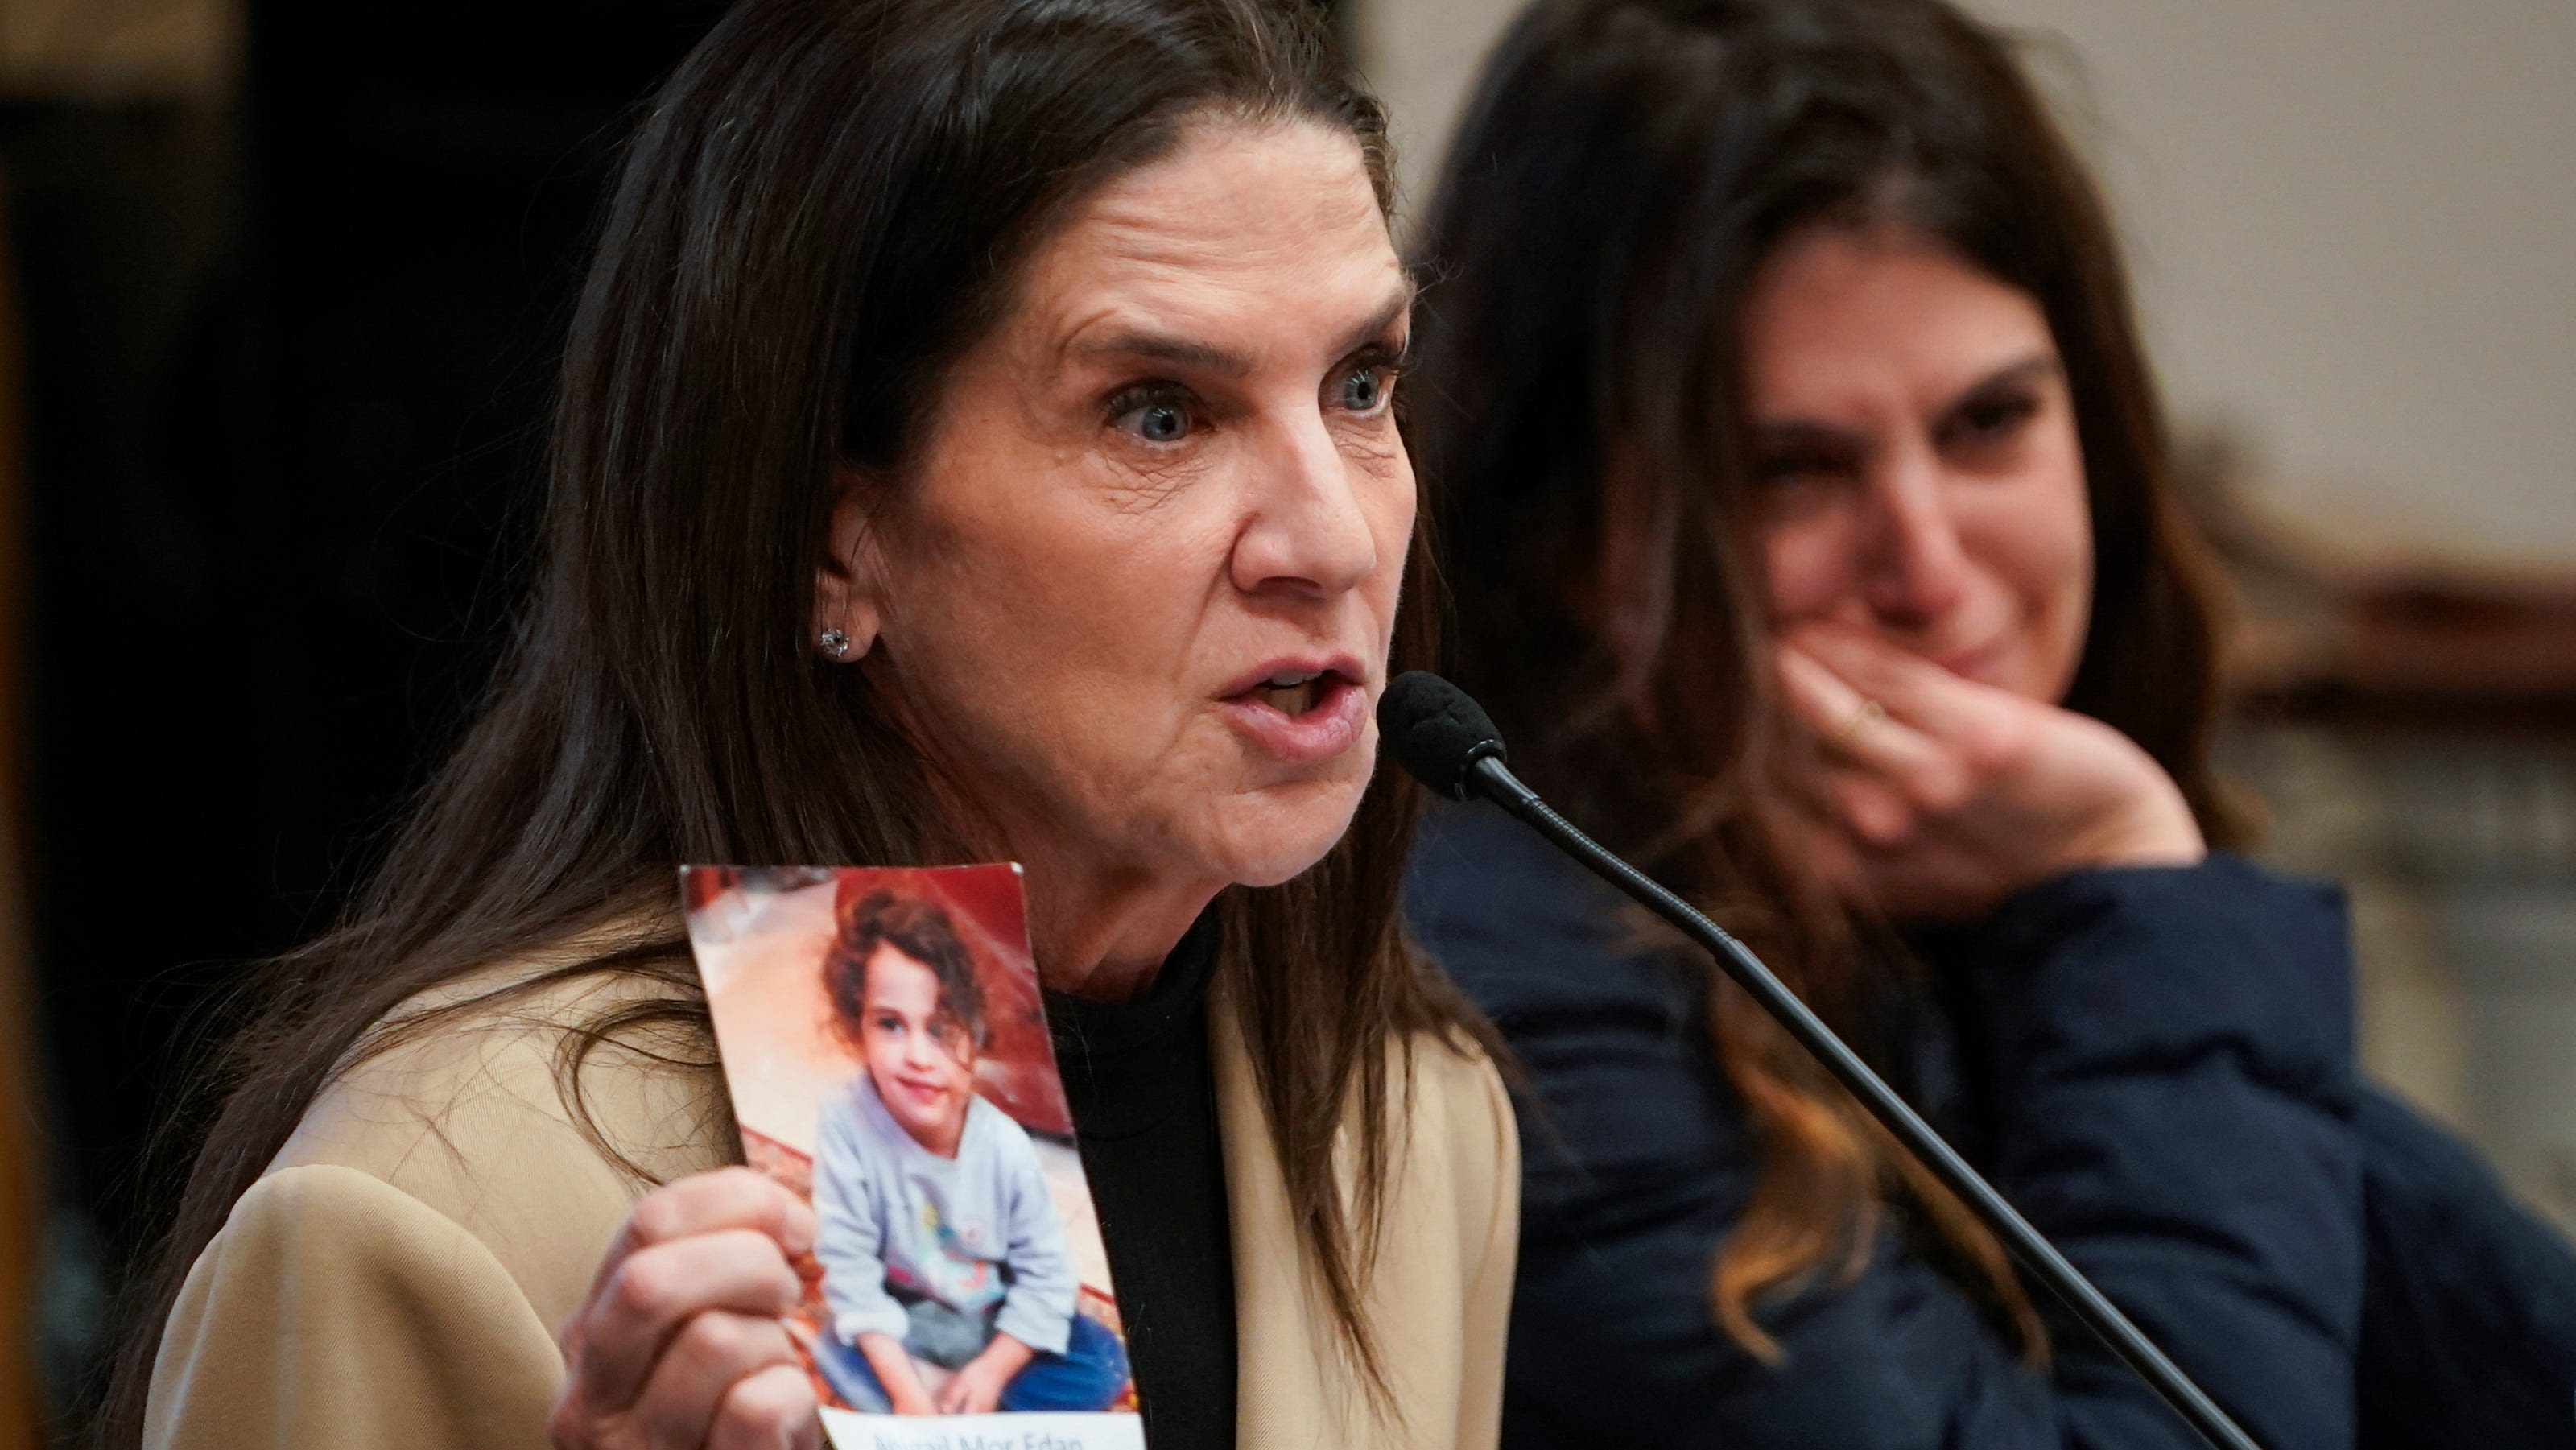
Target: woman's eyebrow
column 1143, row 345
column 1368, row 333
column 1179, row 352
column 1794, row 433
column 2037, row 365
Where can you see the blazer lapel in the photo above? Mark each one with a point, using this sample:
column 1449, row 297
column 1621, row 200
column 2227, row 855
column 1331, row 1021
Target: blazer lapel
column 1286, row 1397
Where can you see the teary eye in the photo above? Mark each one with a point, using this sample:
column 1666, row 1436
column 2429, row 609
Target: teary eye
column 1800, row 464
column 1992, row 417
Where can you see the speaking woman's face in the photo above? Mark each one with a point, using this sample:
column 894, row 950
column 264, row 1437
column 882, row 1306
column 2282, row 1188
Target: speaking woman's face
column 1137, row 592
column 1916, row 453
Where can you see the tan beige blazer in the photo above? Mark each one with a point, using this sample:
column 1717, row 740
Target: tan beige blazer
column 397, row 1276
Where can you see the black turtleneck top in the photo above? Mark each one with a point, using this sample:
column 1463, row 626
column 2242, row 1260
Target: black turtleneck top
column 1143, row 1092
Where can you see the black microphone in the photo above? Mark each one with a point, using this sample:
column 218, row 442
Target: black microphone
column 1445, row 740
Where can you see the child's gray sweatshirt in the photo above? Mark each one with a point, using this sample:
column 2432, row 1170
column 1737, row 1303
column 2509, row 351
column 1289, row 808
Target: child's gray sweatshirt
column 969, row 1231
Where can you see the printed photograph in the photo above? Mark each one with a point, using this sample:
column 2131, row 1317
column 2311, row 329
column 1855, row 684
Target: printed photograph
column 885, row 1044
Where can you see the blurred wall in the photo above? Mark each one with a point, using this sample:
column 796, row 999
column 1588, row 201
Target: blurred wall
column 119, row 49
column 1421, row 55
column 2353, row 223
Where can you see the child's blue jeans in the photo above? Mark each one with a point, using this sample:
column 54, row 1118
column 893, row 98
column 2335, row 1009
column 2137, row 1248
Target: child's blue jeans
column 1087, row 1376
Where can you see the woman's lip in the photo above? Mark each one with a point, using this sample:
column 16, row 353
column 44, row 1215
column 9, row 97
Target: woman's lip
column 1342, row 665
column 1334, row 725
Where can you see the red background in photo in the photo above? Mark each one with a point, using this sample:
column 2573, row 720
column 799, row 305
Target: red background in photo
column 1017, row 1070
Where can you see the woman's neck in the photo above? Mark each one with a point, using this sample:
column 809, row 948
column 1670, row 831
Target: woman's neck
column 1098, row 931
column 1104, row 935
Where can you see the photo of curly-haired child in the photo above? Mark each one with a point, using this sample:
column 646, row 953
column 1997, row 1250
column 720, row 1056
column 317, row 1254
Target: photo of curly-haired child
column 885, row 1044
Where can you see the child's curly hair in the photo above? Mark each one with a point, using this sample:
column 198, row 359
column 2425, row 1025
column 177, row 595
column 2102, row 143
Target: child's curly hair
column 920, row 931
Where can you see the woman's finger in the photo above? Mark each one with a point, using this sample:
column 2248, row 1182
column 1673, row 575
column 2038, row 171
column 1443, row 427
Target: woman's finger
column 1909, row 687
column 728, row 1198
column 1852, row 725
column 768, row 1409
column 699, row 1367
column 654, row 1291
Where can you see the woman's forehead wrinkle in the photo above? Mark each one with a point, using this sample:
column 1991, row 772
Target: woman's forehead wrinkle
column 1185, row 261
column 1103, row 290
column 1222, row 324
column 1212, row 263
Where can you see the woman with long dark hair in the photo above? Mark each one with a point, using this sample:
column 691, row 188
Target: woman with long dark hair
column 974, row 442
column 1806, row 501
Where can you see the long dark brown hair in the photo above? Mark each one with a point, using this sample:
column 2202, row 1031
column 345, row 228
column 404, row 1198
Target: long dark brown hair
column 920, row 931
column 1621, row 176
column 826, row 203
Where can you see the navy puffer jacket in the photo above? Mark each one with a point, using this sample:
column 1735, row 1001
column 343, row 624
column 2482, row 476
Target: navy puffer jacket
column 2155, row 1066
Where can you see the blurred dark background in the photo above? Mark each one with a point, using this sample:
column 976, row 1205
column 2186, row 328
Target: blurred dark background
column 286, row 332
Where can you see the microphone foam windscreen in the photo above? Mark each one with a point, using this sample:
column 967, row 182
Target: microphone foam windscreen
column 1436, row 730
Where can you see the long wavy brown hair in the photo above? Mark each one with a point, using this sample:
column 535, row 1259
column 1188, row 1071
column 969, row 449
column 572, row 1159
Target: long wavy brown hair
column 827, row 202
column 1621, row 176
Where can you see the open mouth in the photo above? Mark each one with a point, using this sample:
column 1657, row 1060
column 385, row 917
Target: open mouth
column 1296, row 692
column 1301, row 711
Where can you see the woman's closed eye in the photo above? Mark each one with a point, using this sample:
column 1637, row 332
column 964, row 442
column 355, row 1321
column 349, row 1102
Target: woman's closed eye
column 1989, row 420
column 1802, row 467
column 1799, row 458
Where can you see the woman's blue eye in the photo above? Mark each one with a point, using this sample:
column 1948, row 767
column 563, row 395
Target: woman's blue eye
column 1363, row 390
column 1157, row 422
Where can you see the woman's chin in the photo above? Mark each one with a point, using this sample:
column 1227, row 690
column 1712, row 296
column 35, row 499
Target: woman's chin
column 1277, row 840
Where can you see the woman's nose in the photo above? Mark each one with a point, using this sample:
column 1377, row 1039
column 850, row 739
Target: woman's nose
column 1308, row 531
column 1917, row 569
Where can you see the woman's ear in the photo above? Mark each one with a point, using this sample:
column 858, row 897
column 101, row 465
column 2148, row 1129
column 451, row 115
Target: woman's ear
column 849, row 583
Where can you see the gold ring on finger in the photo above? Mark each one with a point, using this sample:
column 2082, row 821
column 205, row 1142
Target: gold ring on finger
column 1869, row 713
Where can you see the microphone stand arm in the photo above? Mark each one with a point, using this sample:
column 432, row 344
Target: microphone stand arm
column 1487, row 776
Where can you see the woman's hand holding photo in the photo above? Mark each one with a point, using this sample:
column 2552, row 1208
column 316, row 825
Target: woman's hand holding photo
column 1942, row 797
column 679, row 1342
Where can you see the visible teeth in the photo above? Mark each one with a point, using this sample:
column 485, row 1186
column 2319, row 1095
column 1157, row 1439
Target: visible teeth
column 1288, row 678
column 1291, row 699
